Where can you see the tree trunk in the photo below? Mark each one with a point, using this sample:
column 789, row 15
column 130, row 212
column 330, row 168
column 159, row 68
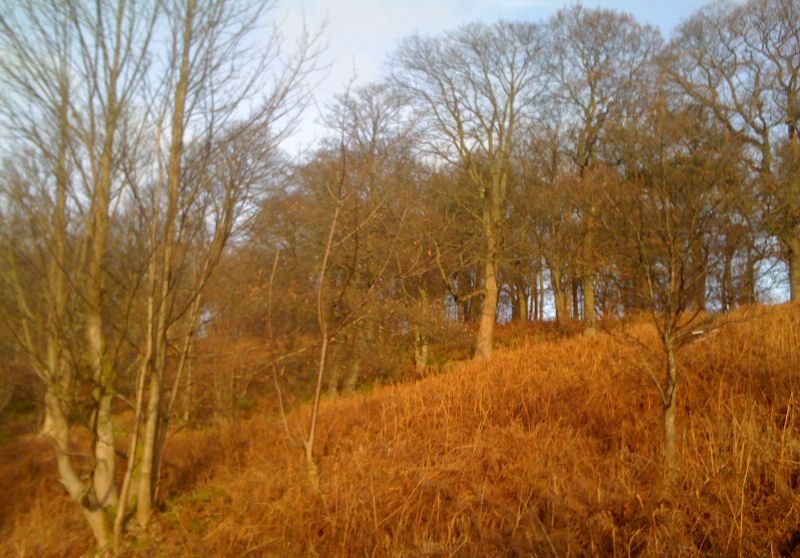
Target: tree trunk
column 472, row 306
column 334, row 375
column 144, row 507
column 308, row 443
column 420, row 353
column 700, row 275
column 793, row 256
column 188, row 393
column 520, row 302
column 58, row 432
column 670, row 409
column 103, row 375
column 105, row 486
column 483, row 344
column 576, row 300
column 516, row 310
column 354, row 368
column 126, row 495
column 559, row 295
column 562, row 307
column 149, row 465
column 541, row 295
column 726, row 289
column 748, row 286
column 144, row 503
column 589, row 310
column 793, row 191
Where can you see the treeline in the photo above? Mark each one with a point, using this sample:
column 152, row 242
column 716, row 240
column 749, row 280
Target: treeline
column 575, row 169
column 580, row 168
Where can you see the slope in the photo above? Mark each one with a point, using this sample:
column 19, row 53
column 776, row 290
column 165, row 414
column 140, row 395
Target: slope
column 551, row 449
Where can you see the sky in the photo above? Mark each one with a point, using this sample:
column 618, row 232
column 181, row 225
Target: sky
column 361, row 34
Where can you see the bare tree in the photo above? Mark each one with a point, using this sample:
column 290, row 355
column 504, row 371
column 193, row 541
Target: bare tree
column 475, row 85
column 544, row 169
column 679, row 183
column 740, row 62
column 61, row 59
column 215, row 176
column 148, row 154
column 598, row 62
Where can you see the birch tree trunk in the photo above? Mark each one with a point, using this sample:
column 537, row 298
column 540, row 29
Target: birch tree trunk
column 176, row 148
column 58, row 431
column 105, row 460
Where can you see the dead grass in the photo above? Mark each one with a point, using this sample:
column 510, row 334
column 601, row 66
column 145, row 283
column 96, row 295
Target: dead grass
column 36, row 518
column 553, row 449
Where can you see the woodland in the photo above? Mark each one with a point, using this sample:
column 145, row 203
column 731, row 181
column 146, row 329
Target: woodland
column 535, row 293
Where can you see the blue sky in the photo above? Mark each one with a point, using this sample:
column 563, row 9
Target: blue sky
column 360, row 34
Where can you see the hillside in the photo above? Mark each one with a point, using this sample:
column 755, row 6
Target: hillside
column 551, row 449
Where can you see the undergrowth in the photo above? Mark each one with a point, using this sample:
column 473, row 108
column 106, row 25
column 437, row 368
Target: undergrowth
column 552, row 449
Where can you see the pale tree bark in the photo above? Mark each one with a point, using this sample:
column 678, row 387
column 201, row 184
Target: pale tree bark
column 65, row 59
column 328, row 332
column 59, row 371
column 727, row 297
column 112, row 79
column 162, row 275
column 488, row 317
column 58, row 432
column 129, row 479
column 102, row 373
column 345, row 173
column 56, row 426
column 575, row 289
column 206, row 88
column 540, row 292
column 485, row 336
column 77, row 69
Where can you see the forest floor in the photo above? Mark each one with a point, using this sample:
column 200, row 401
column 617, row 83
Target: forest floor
column 551, row 449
